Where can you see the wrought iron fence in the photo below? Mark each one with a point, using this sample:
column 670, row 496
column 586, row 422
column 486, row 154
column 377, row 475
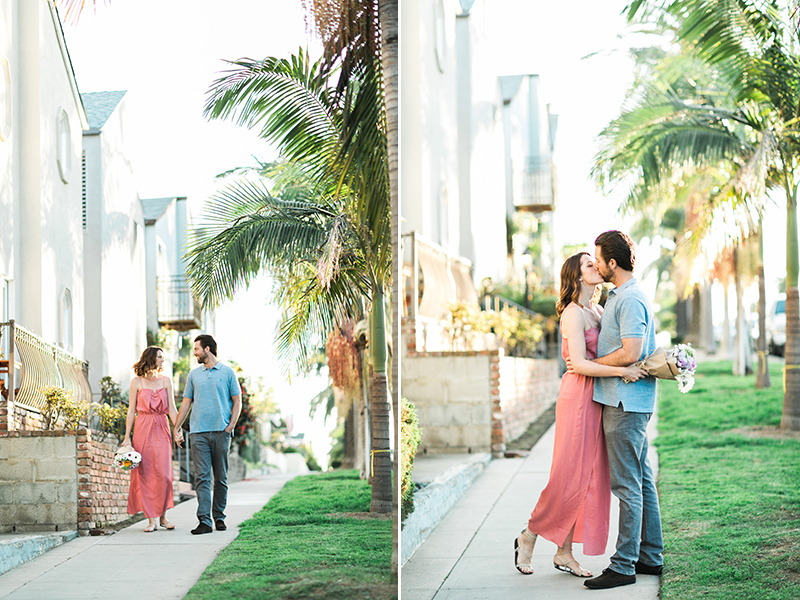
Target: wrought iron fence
column 34, row 363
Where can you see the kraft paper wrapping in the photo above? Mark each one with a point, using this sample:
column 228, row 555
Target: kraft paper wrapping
column 659, row 365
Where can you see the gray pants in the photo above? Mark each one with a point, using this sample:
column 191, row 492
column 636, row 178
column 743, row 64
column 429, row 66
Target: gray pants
column 210, row 453
column 633, row 483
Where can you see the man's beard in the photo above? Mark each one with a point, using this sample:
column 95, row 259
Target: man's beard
column 202, row 358
column 606, row 275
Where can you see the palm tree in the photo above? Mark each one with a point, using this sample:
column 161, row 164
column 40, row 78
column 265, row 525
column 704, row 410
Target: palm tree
column 345, row 27
column 324, row 228
column 748, row 125
column 390, row 57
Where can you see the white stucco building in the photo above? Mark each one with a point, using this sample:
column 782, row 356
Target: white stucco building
column 452, row 147
column 82, row 258
column 41, row 120
column 476, row 153
column 170, row 303
column 114, row 244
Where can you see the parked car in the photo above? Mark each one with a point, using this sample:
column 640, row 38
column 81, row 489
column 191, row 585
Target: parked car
column 776, row 326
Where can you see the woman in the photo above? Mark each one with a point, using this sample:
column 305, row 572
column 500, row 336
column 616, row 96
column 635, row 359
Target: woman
column 151, row 400
column 576, row 503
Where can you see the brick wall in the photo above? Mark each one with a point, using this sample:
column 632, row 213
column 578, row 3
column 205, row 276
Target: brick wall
column 525, row 388
column 102, row 487
column 15, row 417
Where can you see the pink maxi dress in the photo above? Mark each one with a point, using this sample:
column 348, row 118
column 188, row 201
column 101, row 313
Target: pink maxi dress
column 151, row 482
column 579, row 489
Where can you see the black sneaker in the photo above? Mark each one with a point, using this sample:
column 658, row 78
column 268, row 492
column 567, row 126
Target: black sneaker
column 220, row 525
column 202, row 528
column 609, row 579
column 645, row 569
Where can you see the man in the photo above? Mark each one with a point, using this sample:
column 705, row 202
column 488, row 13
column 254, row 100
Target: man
column 217, row 398
column 627, row 334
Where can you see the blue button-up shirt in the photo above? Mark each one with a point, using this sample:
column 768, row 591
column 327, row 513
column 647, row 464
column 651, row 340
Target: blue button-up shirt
column 628, row 314
column 210, row 391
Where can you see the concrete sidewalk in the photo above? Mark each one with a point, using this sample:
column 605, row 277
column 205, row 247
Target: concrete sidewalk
column 470, row 556
column 131, row 564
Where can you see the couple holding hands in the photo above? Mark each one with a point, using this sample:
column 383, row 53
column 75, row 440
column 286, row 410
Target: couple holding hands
column 601, row 420
column 213, row 393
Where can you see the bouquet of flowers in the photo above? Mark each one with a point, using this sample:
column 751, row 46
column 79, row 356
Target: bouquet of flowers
column 677, row 364
column 126, row 458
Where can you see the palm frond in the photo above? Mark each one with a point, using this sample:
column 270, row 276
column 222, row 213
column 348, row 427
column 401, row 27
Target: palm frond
column 243, row 230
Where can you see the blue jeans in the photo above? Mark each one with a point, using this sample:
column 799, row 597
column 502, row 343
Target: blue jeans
column 632, row 482
column 210, row 453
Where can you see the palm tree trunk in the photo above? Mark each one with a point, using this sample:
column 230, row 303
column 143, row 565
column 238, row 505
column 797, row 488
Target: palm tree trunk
column 762, row 374
column 742, row 335
column 727, row 344
column 380, row 411
column 388, row 16
column 790, row 418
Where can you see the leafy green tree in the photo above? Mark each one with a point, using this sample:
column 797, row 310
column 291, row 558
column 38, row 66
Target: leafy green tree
column 730, row 106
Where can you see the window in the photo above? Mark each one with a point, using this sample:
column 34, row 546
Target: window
column 64, row 147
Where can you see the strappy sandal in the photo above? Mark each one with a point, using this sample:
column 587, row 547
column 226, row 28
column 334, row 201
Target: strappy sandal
column 579, row 571
column 150, row 528
column 166, row 524
column 519, row 549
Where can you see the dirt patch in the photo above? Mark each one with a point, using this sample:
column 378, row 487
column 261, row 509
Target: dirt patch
column 361, row 515
column 773, row 433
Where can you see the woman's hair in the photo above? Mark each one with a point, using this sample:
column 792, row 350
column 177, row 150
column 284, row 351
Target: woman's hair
column 147, row 362
column 570, row 283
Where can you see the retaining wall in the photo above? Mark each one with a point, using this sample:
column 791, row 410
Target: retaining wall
column 59, row 481
column 474, row 401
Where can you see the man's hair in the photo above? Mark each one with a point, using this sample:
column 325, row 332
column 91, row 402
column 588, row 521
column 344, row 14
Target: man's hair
column 206, row 341
column 617, row 245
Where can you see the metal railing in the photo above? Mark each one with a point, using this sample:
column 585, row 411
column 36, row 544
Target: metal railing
column 533, row 188
column 549, row 345
column 34, row 363
column 177, row 307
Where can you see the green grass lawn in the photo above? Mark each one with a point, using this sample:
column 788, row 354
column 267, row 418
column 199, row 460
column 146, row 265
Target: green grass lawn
column 314, row 539
column 730, row 495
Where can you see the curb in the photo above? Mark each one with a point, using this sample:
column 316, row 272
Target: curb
column 432, row 503
column 17, row 550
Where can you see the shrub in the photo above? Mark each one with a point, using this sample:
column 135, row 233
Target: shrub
column 59, row 402
column 410, row 436
column 462, row 323
column 112, row 420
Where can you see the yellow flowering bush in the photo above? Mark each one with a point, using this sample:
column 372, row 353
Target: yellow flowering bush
column 58, row 403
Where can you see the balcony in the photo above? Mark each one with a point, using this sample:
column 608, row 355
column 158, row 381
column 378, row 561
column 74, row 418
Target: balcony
column 177, row 307
column 37, row 364
column 533, row 185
